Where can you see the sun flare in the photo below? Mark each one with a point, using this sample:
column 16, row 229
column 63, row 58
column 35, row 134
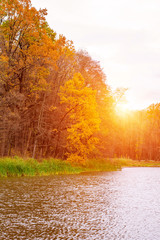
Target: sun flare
column 122, row 108
column 126, row 105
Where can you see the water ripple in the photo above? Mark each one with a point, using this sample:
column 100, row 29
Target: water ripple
column 116, row 205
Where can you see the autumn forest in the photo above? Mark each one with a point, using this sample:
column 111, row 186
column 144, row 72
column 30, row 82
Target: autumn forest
column 56, row 101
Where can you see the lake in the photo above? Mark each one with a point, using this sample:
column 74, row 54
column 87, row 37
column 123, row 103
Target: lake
column 106, row 205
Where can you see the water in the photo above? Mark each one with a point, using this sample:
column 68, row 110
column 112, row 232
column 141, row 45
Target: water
column 114, row 205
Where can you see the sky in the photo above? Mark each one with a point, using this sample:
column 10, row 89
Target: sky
column 123, row 35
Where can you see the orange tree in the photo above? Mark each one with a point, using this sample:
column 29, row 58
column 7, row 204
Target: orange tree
column 80, row 108
column 27, row 52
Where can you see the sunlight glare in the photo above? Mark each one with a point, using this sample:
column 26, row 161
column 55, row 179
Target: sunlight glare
column 122, row 109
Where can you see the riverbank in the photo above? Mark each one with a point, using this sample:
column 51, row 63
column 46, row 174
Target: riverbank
column 17, row 166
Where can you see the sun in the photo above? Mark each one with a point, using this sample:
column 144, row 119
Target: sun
column 126, row 105
column 122, row 108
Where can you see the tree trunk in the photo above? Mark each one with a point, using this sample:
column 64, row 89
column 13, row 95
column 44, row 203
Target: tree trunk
column 34, row 148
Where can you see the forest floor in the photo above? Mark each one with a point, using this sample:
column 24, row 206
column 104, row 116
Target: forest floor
column 16, row 166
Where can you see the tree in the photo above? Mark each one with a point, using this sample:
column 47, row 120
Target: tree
column 80, row 105
column 27, row 51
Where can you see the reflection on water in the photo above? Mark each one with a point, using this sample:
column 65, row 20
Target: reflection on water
column 115, row 205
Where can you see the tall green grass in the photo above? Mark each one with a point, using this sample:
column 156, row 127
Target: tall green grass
column 102, row 165
column 126, row 162
column 113, row 164
column 30, row 167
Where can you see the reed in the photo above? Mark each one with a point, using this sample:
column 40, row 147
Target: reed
column 17, row 166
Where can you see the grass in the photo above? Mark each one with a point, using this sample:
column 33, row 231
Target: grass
column 102, row 165
column 30, row 167
column 17, row 166
column 125, row 162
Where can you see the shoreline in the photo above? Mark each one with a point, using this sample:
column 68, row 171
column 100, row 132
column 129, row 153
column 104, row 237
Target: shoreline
column 19, row 167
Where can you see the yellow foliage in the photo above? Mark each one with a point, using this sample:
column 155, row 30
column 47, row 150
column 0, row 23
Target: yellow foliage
column 80, row 102
column 75, row 159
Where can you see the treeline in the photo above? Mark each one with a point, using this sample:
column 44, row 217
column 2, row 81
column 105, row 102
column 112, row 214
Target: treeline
column 138, row 134
column 55, row 102
column 49, row 93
